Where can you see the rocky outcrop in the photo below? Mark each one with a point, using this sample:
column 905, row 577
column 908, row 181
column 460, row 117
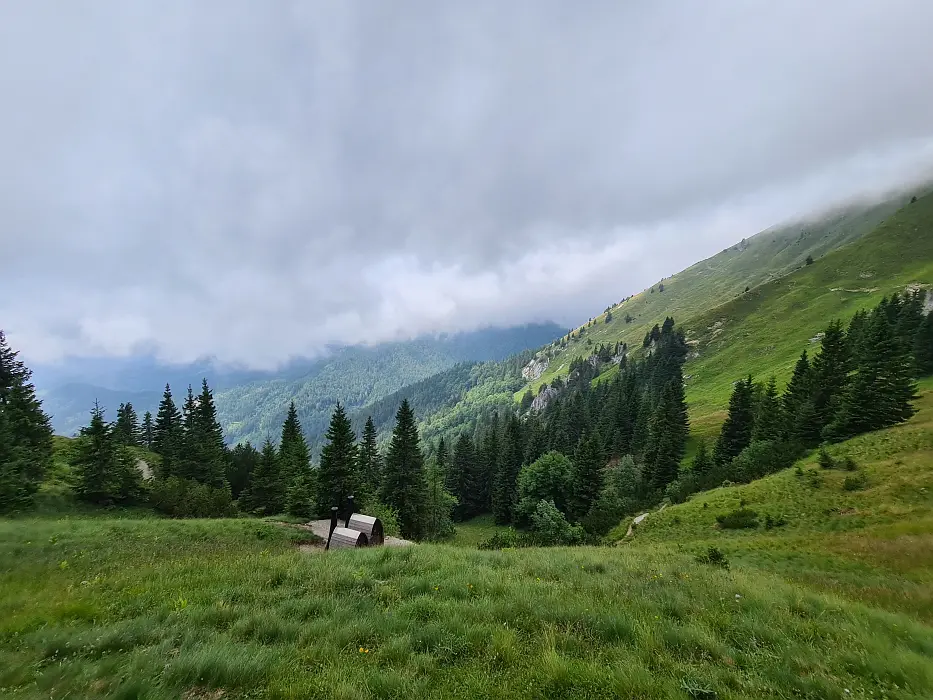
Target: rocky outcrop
column 544, row 398
column 534, row 369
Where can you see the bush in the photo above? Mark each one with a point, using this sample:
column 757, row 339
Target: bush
column 184, row 498
column 714, row 557
column 849, row 465
column 856, row 482
column 387, row 514
column 760, row 458
column 826, row 460
column 548, row 478
column 502, row 540
column 549, row 526
column 771, row 523
column 742, row 518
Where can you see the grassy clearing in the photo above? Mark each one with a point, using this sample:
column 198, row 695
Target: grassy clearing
column 474, row 531
column 157, row 609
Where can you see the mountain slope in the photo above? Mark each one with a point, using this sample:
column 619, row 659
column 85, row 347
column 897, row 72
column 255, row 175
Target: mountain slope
column 707, row 284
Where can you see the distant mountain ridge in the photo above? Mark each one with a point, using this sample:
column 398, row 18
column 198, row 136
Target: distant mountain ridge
column 252, row 404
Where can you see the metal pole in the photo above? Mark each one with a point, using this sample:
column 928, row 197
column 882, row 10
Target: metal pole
column 333, row 525
column 349, row 510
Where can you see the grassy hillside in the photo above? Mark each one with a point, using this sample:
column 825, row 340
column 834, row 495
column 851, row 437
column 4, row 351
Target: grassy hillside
column 707, row 284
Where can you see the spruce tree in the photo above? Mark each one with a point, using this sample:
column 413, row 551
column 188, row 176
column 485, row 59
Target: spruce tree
column 266, row 490
column 404, row 486
column 168, row 435
column 800, row 422
column 768, row 420
column 204, row 440
column 830, row 373
column 588, row 463
column 882, row 390
column 737, row 430
column 439, row 504
column 126, row 428
column 244, row 458
column 25, row 433
column 294, row 453
column 488, row 460
column 106, row 473
column 702, row 462
column 337, row 475
column 505, row 486
column 923, row 347
column 300, row 497
column 667, row 436
column 370, row 463
column 463, row 479
column 147, row 431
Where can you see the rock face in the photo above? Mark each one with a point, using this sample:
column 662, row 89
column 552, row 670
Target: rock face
column 544, row 398
column 534, row 369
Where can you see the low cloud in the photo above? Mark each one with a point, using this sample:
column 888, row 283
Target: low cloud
column 258, row 181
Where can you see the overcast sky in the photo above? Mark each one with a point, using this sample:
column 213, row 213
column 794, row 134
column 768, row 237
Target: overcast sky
column 254, row 180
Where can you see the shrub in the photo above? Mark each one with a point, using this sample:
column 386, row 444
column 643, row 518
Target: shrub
column 184, row 498
column 502, row 540
column 714, row 557
column 760, row 458
column 855, row 482
column 739, row 519
column 548, row 478
column 849, row 465
column 550, row 527
column 771, row 522
column 813, row 478
column 387, row 514
column 826, row 460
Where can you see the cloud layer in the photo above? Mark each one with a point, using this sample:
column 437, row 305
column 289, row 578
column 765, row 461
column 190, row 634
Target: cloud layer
column 257, row 180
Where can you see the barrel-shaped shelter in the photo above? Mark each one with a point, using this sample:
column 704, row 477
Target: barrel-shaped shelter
column 343, row 537
column 369, row 526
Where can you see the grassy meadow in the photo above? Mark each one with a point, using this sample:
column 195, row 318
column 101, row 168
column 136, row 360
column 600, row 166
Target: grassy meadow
column 835, row 603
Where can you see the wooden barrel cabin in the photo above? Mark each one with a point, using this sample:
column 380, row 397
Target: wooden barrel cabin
column 369, row 526
column 345, row 537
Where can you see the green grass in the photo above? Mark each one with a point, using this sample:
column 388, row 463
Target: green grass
column 474, row 531
column 163, row 609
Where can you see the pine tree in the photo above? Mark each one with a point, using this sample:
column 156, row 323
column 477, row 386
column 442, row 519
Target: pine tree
column 126, row 428
column 204, row 440
column 737, row 430
column 404, row 484
column 702, row 463
column 588, row 463
column 830, row 373
column 168, row 435
column 300, row 498
column 882, row 391
column 244, row 458
column 505, row 486
column 266, row 490
column 463, row 479
column 370, row 463
column 923, row 347
column 106, row 473
column 25, row 433
column 439, row 504
column 797, row 408
column 294, row 454
column 768, row 420
column 147, row 431
column 487, row 461
column 337, row 475
column 667, row 436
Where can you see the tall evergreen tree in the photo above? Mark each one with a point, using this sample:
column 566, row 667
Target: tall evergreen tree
column 205, row 439
column 923, row 347
column 370, row 462
column 301, row 495
column 25, row 433
column 800, row 421
column 293, row 448
column 106, row 473
column 488, row 460
column 667, row 436
column 126, row 428
column 464, row 479
column 588, row 463
column 737, row 430
column 702, row 462
column 882, row 391
column 768, row 419
column 439, row 504
column 147, row 431
column 168, row 435
column 244, row 458
column 266, row 490
column 337, row 475
column 505, row 485
column 404, row 485
column 830, row 372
